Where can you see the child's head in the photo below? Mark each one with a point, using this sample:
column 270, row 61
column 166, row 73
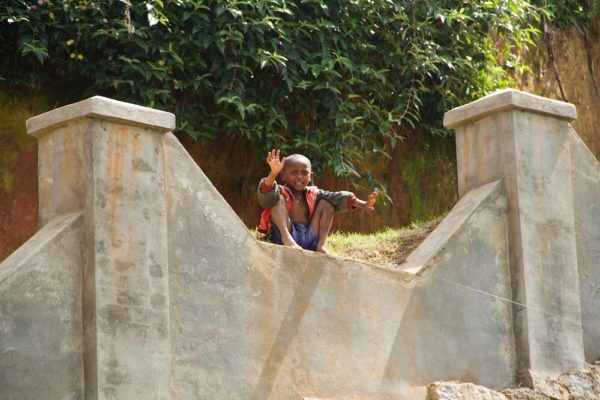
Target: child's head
column 297, row 172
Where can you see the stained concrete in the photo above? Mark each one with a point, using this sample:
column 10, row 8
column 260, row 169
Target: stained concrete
column 41, row 353
column 524, row 140
column 506, row 100
column 586, row 198
column 101, row 108
column 173, row 298
column 255, row 321
column 461, row 301
column 96, row 156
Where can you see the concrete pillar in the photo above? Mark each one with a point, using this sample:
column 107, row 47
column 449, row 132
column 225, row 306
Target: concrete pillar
column 105, row 158
column 523, row 139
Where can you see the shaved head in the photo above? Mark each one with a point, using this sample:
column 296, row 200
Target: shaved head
column 297, row 158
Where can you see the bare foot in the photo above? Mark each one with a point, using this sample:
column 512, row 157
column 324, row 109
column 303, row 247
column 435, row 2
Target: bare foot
column 291, row 243
column 322, row 250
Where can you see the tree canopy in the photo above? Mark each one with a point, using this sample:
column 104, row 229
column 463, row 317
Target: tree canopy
column 334, row 79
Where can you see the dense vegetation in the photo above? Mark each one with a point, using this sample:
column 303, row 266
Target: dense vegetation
column 564, row 13
column 335, row 79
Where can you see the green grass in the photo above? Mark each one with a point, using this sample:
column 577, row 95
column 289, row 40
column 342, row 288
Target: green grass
column 388, row 247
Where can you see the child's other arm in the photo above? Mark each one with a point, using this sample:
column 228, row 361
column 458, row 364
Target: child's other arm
column 342, row 201
column 268, row 196
column 367, row 204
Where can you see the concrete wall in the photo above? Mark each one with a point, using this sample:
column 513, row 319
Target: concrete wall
column 41, row 353
column 251, row 320
column 586, row 197
column 524, row 140
column 172, row 298
column 105, row 159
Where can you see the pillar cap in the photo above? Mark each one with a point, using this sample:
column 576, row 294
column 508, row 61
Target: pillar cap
column 508, row 99
column 102, row 108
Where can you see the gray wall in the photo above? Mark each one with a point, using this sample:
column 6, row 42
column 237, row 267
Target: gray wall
column 41, row 353
column 254, row 321
column 523, row 140
column 157, row 290
column 586, row 196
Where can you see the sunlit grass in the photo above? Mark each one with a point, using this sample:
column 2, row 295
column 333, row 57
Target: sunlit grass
column 387, row 247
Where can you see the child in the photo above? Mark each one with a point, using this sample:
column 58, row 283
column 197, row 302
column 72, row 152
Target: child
column 296, row 214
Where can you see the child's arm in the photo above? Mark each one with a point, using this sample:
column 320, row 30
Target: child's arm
column 268, row 192
column 276, row 166
column 368, row 204
column 342, row 201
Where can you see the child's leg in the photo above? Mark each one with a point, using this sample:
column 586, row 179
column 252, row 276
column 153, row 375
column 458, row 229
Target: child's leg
column 321, row 223
column 281, row 218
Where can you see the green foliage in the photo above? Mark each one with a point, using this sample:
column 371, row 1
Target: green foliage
column 568, row 12
column 429, row 173
column 333, row 79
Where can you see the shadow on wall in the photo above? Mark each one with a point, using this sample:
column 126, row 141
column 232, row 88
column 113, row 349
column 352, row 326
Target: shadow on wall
column 288, row 331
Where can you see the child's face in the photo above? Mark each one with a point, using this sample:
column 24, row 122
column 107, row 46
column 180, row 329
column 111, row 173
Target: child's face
column 296, row 174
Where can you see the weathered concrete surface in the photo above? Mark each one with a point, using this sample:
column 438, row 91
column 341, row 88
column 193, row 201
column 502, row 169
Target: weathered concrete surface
column 586, row 197
column 181, row 302
column 102, row 108
column 209, row 263
column 98, row 157
column 41, row 355
column 256, row 321
column 505, row 100
column 461, row 301
column 524, row 140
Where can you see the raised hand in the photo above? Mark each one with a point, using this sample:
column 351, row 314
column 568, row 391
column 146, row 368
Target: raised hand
column 275, row 163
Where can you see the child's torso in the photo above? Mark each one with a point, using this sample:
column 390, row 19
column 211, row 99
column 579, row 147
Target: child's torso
column 299, row 212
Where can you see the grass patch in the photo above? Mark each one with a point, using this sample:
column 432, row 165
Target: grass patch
column 388, row 247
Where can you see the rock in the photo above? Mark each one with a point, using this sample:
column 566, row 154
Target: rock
column 580, row 385
column 549, row 387
column 461, row 391
column 524, row 394
column 595, row 376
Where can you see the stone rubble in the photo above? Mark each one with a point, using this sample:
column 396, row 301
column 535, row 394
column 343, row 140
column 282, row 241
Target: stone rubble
column 581, row 385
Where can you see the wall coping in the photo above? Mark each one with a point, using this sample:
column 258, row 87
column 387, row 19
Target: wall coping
column 36, row 243
column 102, row 108
column 425, row 255
column 508, row 99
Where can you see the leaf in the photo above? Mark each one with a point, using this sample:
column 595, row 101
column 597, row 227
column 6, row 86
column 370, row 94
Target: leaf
column 263, row 61
column 235, row 12
column 221, row 46
column 39, row 52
